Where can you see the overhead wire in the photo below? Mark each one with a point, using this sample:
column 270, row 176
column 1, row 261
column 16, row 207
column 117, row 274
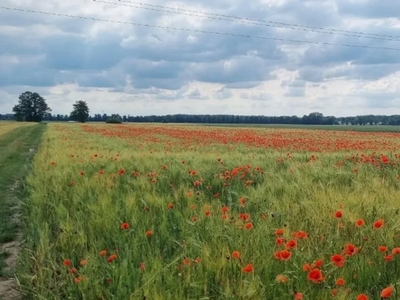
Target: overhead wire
column 252, row 21
column 196, row 30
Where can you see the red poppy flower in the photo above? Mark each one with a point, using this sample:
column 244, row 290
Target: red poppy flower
column 315, row 275
column 338, row 260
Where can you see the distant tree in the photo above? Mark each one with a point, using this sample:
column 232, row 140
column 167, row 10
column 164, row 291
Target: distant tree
column 31, row 107
column 114, row 119
column 80, row 112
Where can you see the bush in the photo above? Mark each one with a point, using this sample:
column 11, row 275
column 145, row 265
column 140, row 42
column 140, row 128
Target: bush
column 114, row 120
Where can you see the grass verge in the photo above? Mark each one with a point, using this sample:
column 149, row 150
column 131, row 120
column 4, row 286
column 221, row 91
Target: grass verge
column 15, row 150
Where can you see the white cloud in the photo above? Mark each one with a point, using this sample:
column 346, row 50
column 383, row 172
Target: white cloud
column 138, row 70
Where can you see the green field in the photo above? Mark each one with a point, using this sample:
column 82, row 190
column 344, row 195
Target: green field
column 150, row 211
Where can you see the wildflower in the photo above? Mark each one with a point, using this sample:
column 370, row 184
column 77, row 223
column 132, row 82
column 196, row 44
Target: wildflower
column 170, row 206
column 280, row 241
column 319, row 262
column 300, row 235
column 396, row 251
column 307, row 267
column 298, row 296
column 103, row 253
column 149, row 233
column 283, row 255
column 382, row 248
column 362, row 297
column 142, row 267
column 279, row 231
column 111, row 258
column 67, row 262
column 281, row 278
column 340, row 282
column 378, row 224
column 83, row 262
column 387, row 292
column 78, row 279
column 291, row 244
column 244, row 217
column 73, row 270
column 360, row 223
column 236, row 254
column 350, row 250
column 315, row 275
column 124, row 226
column 338, row 214
column 224, row 209
column 388, row 257
column 338, row 260
column 248, row 268
column 248, row 225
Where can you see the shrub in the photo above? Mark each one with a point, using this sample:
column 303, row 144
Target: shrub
column 114, row 119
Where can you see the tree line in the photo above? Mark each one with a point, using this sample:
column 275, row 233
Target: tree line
column 314, row 118
column 33, row 108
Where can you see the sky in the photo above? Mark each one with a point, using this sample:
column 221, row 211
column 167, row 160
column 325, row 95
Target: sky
column 119, row 67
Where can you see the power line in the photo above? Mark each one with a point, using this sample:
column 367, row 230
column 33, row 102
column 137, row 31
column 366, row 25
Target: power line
column 196, row 30
column 257, row 22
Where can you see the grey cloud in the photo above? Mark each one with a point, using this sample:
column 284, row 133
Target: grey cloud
column 243, row 84
column 352, row 72
column 134, row 59
column 223, row 93
column 293, row 83
column 68, row 52
column 236, row 69
column 263, row 96
column 379, row 98
column 295, row 92
column 370, row 9
column 313, row 13
column 195, row 94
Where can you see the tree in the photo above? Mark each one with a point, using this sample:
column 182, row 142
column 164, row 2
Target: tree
column 80, row 112
column 114, row 119
column 31, row 107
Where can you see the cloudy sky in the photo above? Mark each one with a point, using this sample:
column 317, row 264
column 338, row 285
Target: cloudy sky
column 118, row 67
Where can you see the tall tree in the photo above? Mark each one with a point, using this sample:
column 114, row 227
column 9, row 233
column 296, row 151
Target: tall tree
column 31, row 107
column 80, row 112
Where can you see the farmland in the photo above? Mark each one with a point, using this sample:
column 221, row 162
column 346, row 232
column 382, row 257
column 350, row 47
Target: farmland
column 192, row 212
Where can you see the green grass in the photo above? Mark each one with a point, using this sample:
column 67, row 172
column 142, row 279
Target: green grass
column 15, row 152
